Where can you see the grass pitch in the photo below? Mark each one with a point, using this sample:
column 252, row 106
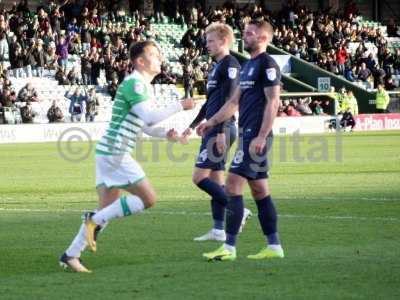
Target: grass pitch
column 338, row 200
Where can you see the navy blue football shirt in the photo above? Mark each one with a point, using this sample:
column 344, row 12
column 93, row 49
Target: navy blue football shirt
column 257, row 73
column 222, row 80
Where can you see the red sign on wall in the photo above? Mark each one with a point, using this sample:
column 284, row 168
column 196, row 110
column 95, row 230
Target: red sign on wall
column 378, row 122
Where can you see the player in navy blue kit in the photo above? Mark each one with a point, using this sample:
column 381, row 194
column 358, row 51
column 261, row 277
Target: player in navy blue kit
column 208, row 173
column 258, row 100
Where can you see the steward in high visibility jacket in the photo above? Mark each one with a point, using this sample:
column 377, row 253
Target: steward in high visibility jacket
column 382, row 99
column 352, row 103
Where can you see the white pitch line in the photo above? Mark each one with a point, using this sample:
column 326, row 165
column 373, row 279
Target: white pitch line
column 186, row 213
column 175, row 197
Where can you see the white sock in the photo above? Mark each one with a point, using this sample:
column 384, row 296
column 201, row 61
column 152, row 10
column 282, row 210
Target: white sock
column 78, row 244
column 218, row 231
column 124, row 206
column 275, row 247
column 230, row 248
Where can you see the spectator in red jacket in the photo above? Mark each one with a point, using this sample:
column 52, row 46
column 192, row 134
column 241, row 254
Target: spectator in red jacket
column 341, row 58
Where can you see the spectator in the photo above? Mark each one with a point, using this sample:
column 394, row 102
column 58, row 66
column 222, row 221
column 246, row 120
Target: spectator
column 54, row 114
column 317, row 108
column 50, row 57
column 389, row 84
column 341, row 59
column 8, row 99
column 28, row 93
column 165, row 77
column 303, row 108
column 4, row 50
column 61, row 77
column 39, row 58
column 112, row 88
column 188, row 80
column 73, row 77
column 370, row 62
column 86, row 68
column 27, row 113
column 392, row 29
column 291, row 111
column 62, row 52
column 349, row 72
column 92, row 103
column 76, row 105
column 364, row 73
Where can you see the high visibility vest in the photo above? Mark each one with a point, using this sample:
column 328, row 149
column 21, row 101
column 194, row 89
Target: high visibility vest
column 353, row 105
column 382, row 99
column 344, row 103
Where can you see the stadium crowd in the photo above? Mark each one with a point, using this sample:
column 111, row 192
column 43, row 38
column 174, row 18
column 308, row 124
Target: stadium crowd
column 100, row 33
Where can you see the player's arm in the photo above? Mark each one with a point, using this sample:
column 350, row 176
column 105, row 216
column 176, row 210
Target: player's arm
column 151, row 115
column 230, row 82
column 200, row 116
column 272, row 95
column 226, row 112
column 159, row 132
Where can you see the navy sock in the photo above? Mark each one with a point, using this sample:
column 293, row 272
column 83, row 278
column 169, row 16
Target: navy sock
column 268, row 219
column 218, row 200
column 234, row 216
column 218, row 214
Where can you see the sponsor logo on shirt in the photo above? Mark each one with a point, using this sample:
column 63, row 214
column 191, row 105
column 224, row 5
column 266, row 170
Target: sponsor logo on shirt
column 247, row 84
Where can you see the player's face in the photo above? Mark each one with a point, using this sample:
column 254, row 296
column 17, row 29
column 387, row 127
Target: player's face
column 152, row 60
column 250, row 37
column 214, row 44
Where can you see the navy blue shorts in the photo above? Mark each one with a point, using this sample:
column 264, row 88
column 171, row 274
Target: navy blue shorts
column 208, row 157
column 248, row 165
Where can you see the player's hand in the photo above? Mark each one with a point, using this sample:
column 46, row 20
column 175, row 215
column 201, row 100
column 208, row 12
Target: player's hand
column 257, row 145
column 203, row 128
column 184, row 138
column 172, row 135
column 188, row 103
column 220, row 143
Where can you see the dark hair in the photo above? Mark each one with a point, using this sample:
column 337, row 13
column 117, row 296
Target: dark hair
column 137, row 49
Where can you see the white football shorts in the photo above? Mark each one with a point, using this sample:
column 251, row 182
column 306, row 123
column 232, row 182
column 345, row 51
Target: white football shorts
column 117, row 171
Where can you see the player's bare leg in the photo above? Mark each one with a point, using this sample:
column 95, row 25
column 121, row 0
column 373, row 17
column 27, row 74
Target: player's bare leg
column 71, row 257
column 141, row 196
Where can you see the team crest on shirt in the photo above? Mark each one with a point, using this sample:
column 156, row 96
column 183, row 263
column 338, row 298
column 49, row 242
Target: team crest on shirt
column 232, row 72
column 138, row 88
column 251, row 71
column 271, row 74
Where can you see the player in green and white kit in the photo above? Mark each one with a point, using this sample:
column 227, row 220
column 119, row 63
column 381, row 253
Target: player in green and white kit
column 133, row 111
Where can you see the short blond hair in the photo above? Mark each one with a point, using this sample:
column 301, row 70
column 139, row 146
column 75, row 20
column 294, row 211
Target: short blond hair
column 222, row 30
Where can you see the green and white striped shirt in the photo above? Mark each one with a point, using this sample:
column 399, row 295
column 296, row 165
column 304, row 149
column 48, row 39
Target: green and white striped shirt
column 120, row 137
